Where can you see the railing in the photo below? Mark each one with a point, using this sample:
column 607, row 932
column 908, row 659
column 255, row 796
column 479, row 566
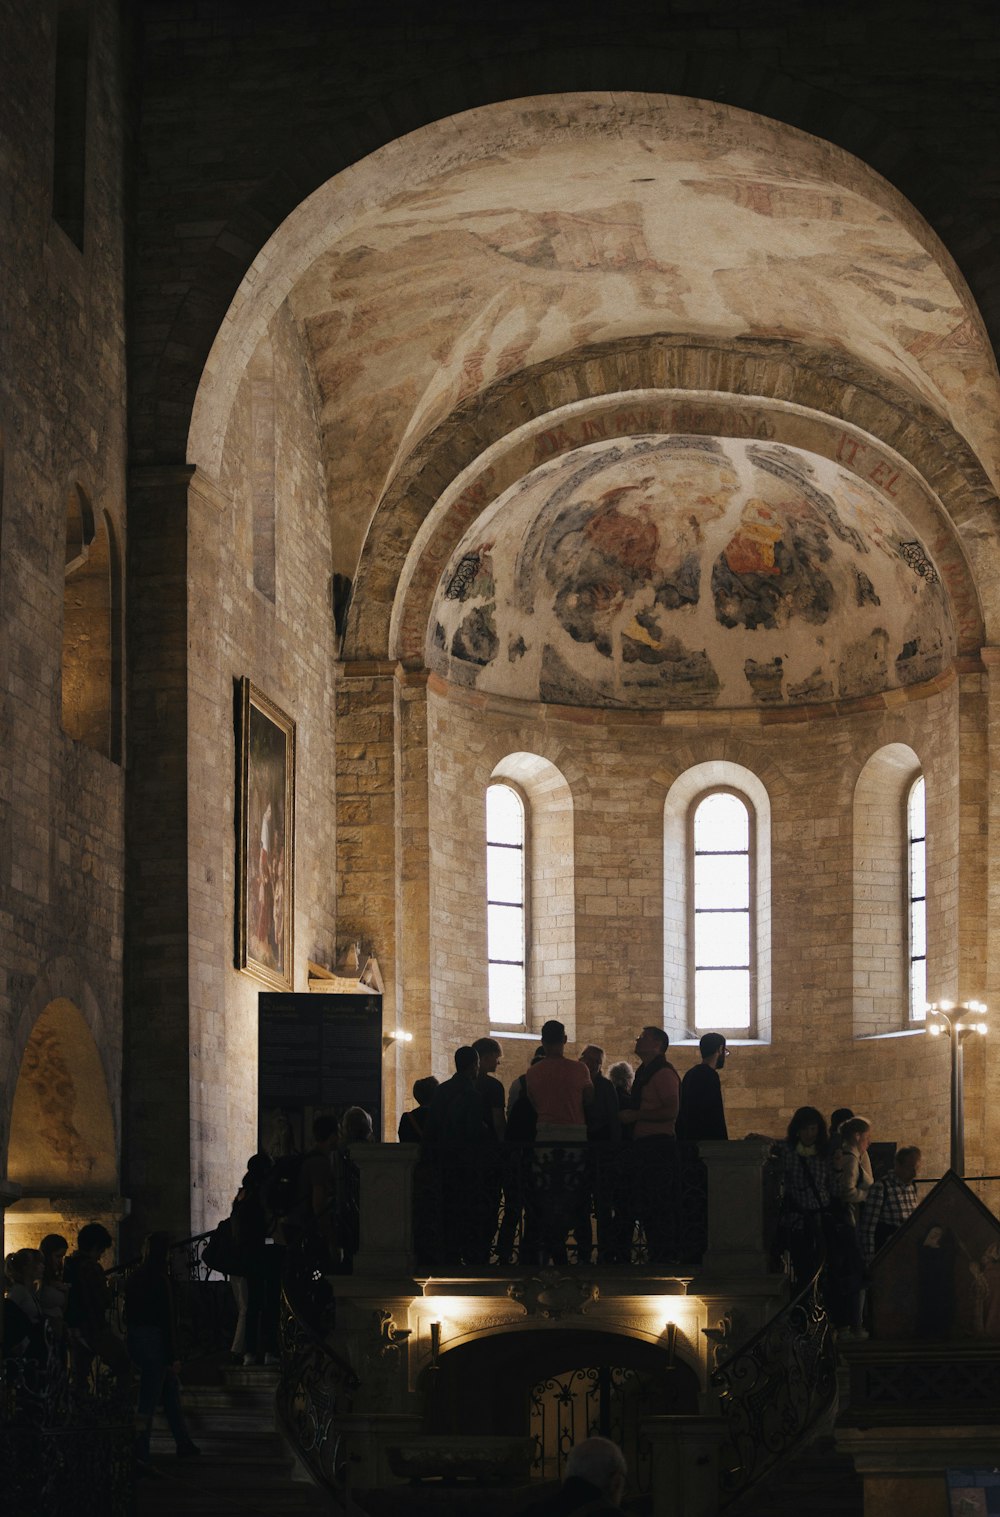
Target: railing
column 774, row 1390
column 559, row 1203
column 204, row 1301
column 316, row 1387
column 66, row 1444
column 985, row 1187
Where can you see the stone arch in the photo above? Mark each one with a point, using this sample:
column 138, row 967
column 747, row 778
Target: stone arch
column 62, row 1149
column 488, row 1381
column 91, row 632
column 707, row 775
column 879, row 894
column 212, row 314
column 880, row 420
column 551, row 937
column 678, row 404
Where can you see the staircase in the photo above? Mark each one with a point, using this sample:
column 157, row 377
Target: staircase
column 817, row 1480
column 244, row 1466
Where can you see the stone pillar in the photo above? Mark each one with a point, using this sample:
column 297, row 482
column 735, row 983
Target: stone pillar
column 735, row 1208
column 685, row 1464
column 156, row 1117
column 413, row 993
column 386, row 1208
column 990, row 982
column 366, row 821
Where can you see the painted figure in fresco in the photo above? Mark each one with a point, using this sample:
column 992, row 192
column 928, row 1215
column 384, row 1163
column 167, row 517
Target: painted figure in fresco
column 936, row 1302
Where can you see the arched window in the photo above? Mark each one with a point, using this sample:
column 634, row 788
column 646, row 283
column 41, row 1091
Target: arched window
column 505, row 903
column 721, row 927
column 889, row 908
column 916, row 850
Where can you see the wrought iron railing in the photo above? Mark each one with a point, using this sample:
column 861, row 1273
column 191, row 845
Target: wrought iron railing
column 203, row 1299
column 604, row 1400
column 559, row 1203
column 66, row 1443
column 774, row 1390
column 316, row 1387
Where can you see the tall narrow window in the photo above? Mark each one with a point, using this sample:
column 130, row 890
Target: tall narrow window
column 69, row 151
column 722, row 908
column 505, row 905
column 916, row 839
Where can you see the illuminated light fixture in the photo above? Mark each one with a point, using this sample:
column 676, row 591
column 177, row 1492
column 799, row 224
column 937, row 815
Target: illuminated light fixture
column 958, row 1022
column 399, row 1035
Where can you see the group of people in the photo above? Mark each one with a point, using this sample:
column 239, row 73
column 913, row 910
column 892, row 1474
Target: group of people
column 56, row 1307
column 833, row 1213
column 310, row 1198
column 556, row 1102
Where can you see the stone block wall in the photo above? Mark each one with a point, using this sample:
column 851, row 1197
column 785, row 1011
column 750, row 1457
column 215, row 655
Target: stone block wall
column 284, row 642
column 619, row 771
column 62, row 425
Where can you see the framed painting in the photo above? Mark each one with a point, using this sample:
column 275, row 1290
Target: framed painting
column 266, row 864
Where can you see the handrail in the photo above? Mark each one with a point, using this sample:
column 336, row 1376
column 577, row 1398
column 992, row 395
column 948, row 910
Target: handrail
column 773, row 1391
column 66, row 1440
column 316, row 1386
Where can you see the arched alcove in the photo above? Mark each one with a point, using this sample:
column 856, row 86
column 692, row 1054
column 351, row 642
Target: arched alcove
column 713, row 774
column 91, row 644
column 880, row 889
column 559, row 1386
column 62, row 1150
column 551, row 967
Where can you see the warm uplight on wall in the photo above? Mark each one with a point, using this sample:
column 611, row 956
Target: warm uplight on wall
column 400, row 1035
column 959, row 1022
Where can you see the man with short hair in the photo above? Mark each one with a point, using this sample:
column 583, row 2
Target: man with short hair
column 890, row 1202
column 702, row 1114
column 603, row 1128
column 560, row 1090
column 457, row 1121
column 594, row 1484
column 490, row 1090
column 652, row 1115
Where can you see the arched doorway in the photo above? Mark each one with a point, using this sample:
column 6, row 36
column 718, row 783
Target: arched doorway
column 62, row 1150
column 560, row 1387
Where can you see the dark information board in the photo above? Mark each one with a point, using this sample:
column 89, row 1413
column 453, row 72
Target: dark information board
column 316, row 1053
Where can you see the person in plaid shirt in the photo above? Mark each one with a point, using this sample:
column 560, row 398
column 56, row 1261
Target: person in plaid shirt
column 890, row 1202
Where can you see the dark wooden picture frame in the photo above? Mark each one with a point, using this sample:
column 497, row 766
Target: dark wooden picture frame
column 265, row 903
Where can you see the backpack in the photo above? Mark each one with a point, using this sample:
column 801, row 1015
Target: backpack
column 282, row 1185
column 221, row 1253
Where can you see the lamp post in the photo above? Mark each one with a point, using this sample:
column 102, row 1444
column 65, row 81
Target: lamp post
column 958, row 1021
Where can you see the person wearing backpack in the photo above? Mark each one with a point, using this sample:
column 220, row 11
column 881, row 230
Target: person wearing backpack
column 260, row 1264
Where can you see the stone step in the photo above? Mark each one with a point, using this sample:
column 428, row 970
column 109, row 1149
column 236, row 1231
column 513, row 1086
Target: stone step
column 818, row 1481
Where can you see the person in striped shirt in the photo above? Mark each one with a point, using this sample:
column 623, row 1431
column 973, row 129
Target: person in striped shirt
column 890, row 1202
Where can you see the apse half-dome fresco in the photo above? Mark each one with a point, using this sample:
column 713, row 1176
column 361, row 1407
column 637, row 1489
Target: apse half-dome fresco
column 673, row 572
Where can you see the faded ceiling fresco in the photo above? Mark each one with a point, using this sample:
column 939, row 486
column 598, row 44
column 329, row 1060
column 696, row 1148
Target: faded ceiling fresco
column 687, row 572
column 491, row 265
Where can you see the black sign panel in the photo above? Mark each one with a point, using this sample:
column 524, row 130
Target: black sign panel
column 317, row 1053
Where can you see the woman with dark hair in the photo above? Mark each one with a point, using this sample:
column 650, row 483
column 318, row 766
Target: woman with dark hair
column 87, row 1305
column 261, row 1263
column 152, row 1342
column 851, row 1180
column 53, row 1293
column 411, row 1123
column 805, row 1193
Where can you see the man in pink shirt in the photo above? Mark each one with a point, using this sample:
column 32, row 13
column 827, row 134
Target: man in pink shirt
column 560, row 1090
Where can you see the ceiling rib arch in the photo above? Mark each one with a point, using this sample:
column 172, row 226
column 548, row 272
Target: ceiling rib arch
column 788, row 380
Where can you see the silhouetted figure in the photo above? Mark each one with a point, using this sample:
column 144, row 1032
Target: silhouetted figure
column 594, row 1485
column 87, row 1308
column 151, row 1329
column 412, row 1123
column 702, row 1114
